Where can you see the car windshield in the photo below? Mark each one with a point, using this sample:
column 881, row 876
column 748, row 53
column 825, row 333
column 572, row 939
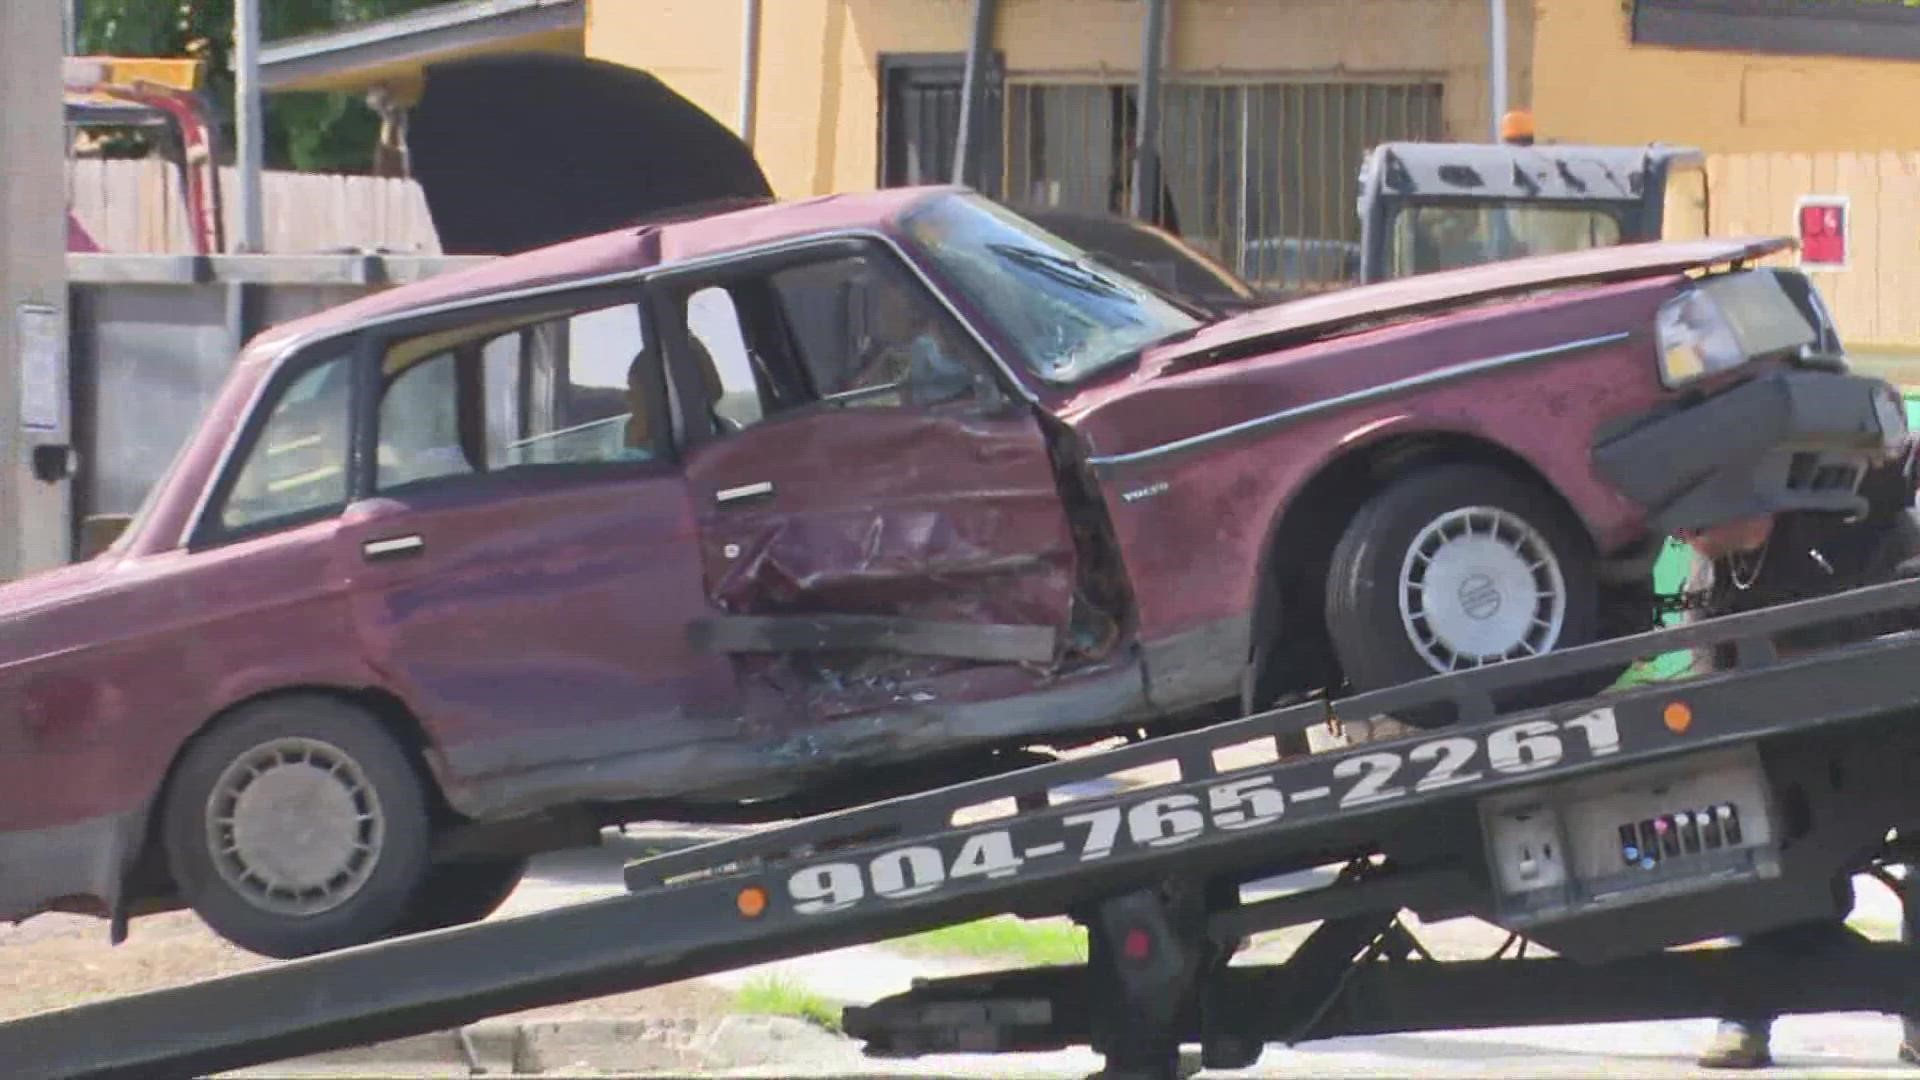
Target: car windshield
column 1149, row 255
column 1070, row 316
column 1444, row 236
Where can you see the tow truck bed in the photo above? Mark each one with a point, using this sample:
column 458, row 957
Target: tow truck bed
column 1606, row 829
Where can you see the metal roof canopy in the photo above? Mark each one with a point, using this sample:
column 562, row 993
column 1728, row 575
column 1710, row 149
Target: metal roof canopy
column 361, row 57
column 1570, row 172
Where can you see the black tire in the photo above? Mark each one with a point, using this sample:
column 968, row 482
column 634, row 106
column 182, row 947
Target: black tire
column 329, row 739
column 458, row 893
column 1376, row 647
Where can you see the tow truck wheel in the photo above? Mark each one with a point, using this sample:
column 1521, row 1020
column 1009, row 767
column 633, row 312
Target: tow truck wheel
column 297, row 826
column 459, row 893
column 1453, row 568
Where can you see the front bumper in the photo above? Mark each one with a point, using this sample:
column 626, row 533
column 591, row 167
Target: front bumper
column 1786, row 440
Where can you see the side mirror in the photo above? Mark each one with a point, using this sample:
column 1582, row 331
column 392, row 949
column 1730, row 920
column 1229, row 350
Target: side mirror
column 99, row 531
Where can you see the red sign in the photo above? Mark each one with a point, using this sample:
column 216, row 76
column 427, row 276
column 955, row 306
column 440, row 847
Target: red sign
column 1823, row 232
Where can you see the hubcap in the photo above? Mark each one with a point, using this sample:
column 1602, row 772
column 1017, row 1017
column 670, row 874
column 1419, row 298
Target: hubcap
column 294, row 826
column 1480, row 585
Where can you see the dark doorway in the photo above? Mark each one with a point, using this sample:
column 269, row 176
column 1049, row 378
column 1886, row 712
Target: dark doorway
column 920, row 99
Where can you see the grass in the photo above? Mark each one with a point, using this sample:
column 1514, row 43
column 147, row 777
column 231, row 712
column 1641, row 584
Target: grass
column 774, row 995
column 1050, row 942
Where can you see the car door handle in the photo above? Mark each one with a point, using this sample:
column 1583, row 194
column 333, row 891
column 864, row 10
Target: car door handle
column 394, row 547
column 744, row 492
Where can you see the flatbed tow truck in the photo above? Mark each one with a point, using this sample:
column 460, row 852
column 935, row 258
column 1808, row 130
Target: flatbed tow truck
column 1609, row 830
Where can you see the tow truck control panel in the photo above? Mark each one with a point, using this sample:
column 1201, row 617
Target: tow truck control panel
column 1631, row 837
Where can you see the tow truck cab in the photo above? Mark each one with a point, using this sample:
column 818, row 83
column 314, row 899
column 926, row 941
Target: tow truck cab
column 1434, row 206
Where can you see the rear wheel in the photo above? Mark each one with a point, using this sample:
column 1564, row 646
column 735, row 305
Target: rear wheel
column 1453, row 568
column 297, row 826
column 459, row 893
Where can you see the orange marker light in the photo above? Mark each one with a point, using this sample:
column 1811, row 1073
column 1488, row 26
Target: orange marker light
column 1516, row 127
column 1678, row 717
column 752, row 901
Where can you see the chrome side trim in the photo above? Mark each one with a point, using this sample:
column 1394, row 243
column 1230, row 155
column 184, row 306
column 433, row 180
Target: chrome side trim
column 394, row 546
column 1371, row 394
column 744, row 491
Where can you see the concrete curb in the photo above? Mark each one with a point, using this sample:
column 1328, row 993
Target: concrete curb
column 589, row 1046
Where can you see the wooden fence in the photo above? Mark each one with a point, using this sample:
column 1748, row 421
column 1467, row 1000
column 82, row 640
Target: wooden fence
column 135, row 206
column 1876, row 296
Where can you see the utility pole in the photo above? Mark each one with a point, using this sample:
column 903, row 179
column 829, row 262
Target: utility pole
column 247, row 121
column 35, row 527
column 973, row 95
column 1496, row 65
column 749, row 68
column 1146, row 157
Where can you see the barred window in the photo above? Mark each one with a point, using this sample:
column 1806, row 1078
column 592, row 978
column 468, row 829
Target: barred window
column 1261, row 174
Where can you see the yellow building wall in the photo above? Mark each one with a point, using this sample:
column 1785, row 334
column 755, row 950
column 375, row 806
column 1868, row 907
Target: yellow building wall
column 819, row 94
column 1591, row 84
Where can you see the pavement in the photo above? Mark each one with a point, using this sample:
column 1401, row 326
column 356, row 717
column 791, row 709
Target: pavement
column 745, row 1046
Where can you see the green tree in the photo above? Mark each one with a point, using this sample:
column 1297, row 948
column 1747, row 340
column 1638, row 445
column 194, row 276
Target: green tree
column 310, row 132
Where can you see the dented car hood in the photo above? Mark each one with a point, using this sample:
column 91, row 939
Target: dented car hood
column 1332, row 313
column 1308, row 351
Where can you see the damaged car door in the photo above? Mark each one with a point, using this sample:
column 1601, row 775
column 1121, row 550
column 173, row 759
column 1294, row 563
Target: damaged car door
column 880, row 522
column 524, row 561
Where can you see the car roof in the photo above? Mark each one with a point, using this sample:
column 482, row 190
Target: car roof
column 635, row 249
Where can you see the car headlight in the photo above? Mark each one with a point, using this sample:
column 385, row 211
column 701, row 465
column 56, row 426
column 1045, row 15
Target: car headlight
column 1725, row 321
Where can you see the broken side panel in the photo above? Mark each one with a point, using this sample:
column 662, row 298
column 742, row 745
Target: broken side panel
column 854, row 553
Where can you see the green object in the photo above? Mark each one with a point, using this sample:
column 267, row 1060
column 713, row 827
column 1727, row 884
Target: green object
column 1670, row 576
column 311, row 132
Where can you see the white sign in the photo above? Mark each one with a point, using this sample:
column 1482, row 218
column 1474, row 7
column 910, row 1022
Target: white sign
column 41, row 352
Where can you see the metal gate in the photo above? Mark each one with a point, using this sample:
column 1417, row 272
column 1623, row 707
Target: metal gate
column 920, row 120
column 1261, row 173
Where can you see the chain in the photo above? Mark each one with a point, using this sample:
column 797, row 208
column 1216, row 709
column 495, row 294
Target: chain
column 1681, row 602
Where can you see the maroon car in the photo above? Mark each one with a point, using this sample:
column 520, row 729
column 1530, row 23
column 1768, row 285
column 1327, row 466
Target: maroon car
column 718, row 516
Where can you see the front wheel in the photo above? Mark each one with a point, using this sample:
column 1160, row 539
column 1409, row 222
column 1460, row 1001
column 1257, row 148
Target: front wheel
column 297, row 826
column 1456, row 567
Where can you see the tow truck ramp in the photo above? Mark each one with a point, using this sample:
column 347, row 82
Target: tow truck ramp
column 1606, row 830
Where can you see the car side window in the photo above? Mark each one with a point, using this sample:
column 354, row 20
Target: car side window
column 419, row 425
column 722, row 359
column 297, row 464
column 555, row 389
column 843, row 330
column 868, row 333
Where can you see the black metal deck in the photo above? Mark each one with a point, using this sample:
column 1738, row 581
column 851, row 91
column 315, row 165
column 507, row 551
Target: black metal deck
column 903, row 865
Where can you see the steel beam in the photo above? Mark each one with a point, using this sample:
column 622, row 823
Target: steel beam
column 1044, row 1009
